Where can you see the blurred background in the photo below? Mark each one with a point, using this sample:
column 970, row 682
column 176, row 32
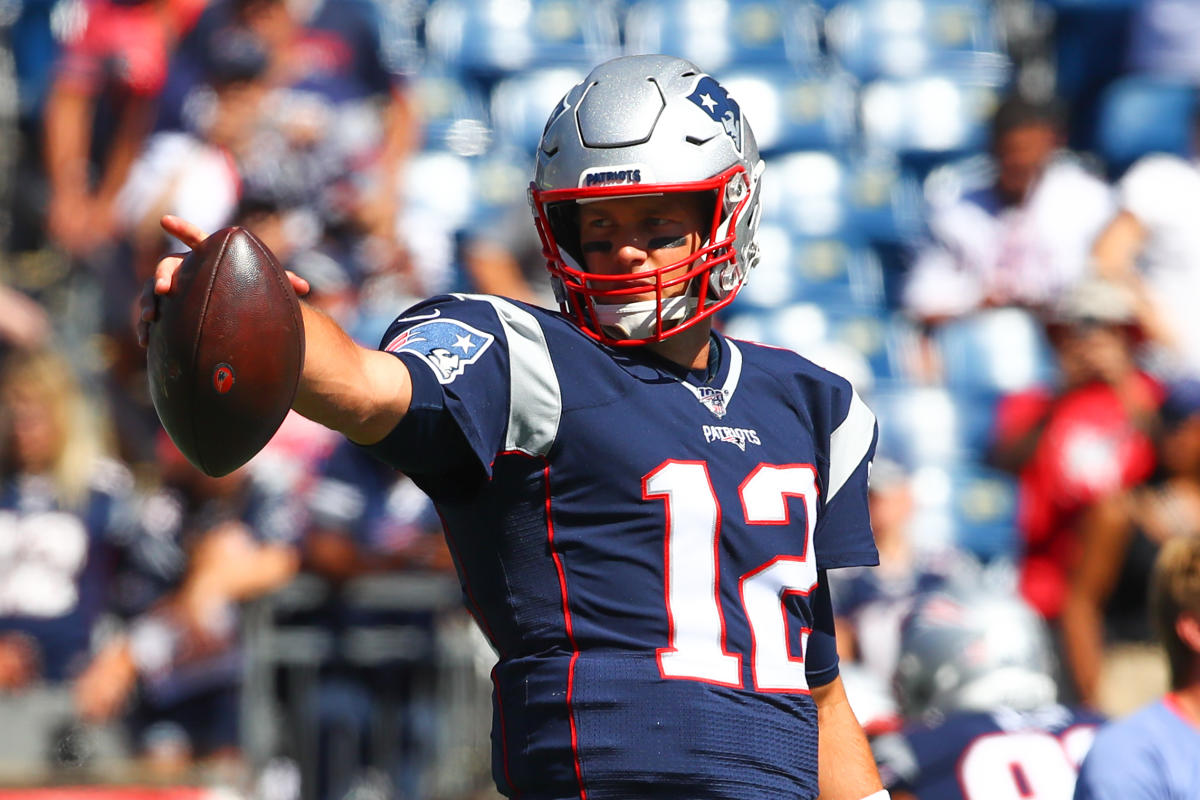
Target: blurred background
column 979, row 211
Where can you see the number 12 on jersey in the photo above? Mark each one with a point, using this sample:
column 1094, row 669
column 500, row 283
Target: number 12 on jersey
column 696, row 620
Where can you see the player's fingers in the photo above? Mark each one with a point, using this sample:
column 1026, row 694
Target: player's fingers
column 184, row 231
column 299, row 285
column 164, row 273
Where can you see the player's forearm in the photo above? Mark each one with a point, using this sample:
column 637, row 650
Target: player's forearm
column 845, row 766
column 359, row 392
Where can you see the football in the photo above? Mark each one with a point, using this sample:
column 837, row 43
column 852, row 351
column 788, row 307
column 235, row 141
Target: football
column 225, row 353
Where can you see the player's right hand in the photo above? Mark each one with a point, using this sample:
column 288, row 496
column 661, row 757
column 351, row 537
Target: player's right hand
column 164, row 274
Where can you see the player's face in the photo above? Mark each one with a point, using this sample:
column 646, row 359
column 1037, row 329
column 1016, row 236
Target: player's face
column 636, row 235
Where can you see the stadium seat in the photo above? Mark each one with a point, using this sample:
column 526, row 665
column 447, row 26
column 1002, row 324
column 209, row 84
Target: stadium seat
column 453, row 111
column 924, row 425
column 908, row 38
column 994, row 352
column 818, row 194
column 715, row 34
column 793, row 110
column 521, row 103
column 803, row 328
column 823, row 270
column 1140, row 115
column 969, row 506
column 930, row 119
column 489, row 39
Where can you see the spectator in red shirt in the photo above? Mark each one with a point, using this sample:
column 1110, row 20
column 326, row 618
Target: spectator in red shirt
column 1075, row 444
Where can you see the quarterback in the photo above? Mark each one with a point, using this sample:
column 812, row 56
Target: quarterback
column 641, row 510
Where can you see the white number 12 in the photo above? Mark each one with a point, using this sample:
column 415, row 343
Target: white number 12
column 696, row 648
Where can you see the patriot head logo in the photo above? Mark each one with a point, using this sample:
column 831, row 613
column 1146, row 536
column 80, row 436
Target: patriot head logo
column 716, row 102
column 446, row 345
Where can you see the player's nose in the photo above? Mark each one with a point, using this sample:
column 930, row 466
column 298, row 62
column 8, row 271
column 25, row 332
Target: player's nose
column 631, row 255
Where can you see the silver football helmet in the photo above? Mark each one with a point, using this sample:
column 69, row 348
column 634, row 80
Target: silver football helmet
column 647, row 125
column 973, row 650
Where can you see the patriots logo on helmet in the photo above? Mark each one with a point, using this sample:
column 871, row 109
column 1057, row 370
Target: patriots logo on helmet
column 716, row 102
column 446, row 345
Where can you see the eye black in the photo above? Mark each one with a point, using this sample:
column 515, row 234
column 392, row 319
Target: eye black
column 663, row 242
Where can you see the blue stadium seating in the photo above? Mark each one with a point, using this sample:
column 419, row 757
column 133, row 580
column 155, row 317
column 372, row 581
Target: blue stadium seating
column 994, row 352
column 520, row 104
column 825, row 270
column 791, row 109
column 929, row 424
column 932, row 118
column 1140, row 115
column 970, row 506
column 817, row 193
column 715, row 34
column 908, row 38
column 453, row 112
column 489, row 39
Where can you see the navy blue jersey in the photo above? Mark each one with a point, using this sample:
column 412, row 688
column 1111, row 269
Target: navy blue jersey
column 55, row 562
column 640, row 542
column 989, row 755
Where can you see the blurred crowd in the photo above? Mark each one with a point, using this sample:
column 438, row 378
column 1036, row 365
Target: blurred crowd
column 979, row 211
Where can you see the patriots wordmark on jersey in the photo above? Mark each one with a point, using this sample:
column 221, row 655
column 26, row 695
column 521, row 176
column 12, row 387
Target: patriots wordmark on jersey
column 641, row 543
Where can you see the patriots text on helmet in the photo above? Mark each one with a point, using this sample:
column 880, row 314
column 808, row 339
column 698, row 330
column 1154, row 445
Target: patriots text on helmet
column 611, row 177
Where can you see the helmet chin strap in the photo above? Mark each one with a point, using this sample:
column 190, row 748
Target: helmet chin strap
column 637, row 320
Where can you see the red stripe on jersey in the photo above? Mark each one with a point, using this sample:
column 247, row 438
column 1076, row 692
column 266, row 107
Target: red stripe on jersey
column 562, row 585
column 503, row 735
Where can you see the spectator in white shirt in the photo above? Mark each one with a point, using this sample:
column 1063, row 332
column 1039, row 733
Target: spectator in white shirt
column 1022, row 238
column 1153, row 243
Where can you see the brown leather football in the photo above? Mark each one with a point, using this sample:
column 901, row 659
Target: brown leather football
column 225, row 354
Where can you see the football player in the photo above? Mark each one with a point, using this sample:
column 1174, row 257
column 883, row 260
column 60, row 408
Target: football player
column 975, row 681
column 641, row 511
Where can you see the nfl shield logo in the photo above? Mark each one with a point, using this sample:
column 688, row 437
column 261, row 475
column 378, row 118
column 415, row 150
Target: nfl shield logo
column 713, row 400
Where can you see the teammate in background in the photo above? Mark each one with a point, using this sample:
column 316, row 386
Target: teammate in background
column 641, row 511
column 1151, row 755
column 975, row 680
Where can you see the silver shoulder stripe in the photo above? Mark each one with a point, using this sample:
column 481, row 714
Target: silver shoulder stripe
column 848, row 444
column 535, row 399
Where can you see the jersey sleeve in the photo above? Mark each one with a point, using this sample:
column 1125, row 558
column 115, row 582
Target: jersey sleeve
column 843, row 535
column 820, row 657
column 483, row 384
